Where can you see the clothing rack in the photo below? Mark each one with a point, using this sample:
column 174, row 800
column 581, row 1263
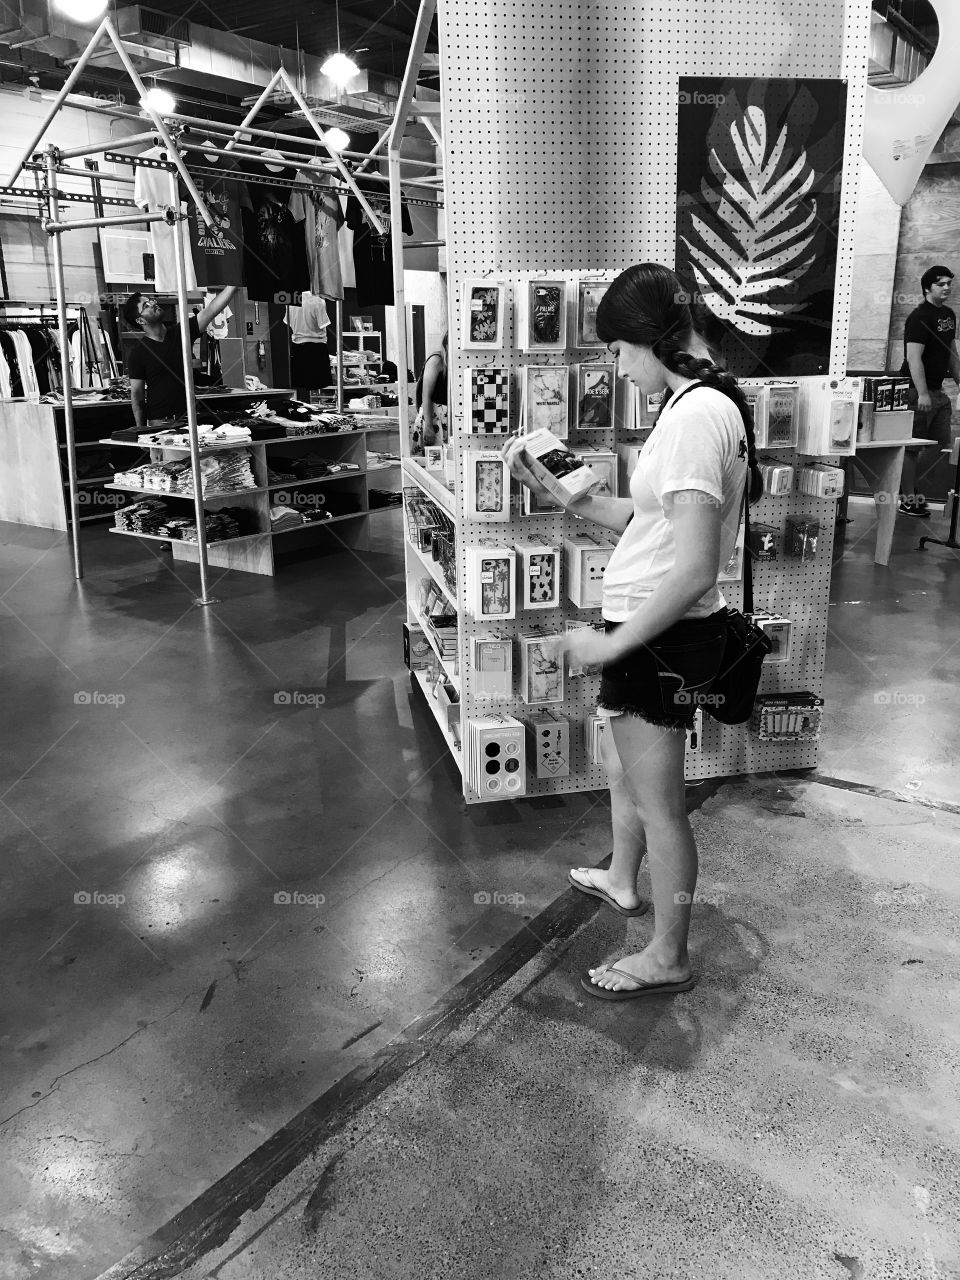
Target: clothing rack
column 49, row 197
column 51, row 320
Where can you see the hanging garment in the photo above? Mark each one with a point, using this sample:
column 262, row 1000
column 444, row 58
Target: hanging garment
column 348, row 273
column 40, row 350
column 6, row 390
column 151, row 192
column 310, row 321
column 320, row 212
column 111, row 359
column 9, row 349
column 217, row 250
column 310, row 368
column 373, row 254
column 28, row 375
column 275, row 251
column 218, row 326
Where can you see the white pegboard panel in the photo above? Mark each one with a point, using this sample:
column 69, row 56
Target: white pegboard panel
column 560, row 129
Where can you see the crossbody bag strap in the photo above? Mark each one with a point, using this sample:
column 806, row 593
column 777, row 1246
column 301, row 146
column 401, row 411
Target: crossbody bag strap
column 747, row 551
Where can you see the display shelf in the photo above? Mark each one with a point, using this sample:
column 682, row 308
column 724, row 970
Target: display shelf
column 159, row 537
column 235, row 444
column 236, row 493
column 430, row 485
column 88, row 480
column 421, row 680
column 433, row 569
column 427, row 630
column 322, row 524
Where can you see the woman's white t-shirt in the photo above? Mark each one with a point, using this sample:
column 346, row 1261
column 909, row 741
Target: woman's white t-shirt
column 699, row 443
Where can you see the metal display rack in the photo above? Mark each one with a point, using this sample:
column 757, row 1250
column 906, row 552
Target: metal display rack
column 572, row 176
column 248, row 142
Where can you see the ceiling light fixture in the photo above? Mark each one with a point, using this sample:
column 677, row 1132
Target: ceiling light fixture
column 336, row 140
column 81, row 10
column 162, row 102
column 338, row 66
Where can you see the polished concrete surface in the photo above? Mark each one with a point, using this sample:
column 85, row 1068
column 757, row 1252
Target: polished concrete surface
column 152, row 1045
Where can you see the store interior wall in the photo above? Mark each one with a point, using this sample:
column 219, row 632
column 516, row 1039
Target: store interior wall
column 876, row 241
column 427, row 289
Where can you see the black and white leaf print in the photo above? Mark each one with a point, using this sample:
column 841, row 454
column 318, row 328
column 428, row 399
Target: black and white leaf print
column 754, row 238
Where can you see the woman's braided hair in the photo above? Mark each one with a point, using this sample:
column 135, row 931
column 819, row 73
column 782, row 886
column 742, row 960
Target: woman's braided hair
column 648, row 306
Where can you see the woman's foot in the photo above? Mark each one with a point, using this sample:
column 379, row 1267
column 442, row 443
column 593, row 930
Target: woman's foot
column 647, row 968
column 598, row 884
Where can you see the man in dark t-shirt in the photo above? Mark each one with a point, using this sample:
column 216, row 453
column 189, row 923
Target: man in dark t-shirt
column 155, row 368
column 929, row 356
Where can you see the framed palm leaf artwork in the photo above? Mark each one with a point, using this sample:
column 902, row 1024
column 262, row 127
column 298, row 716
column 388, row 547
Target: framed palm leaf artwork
column 759, row 168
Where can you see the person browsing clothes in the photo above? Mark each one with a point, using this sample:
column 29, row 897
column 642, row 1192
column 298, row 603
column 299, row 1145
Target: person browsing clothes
column 663, row 613
column 157, row 390
column 929, row 356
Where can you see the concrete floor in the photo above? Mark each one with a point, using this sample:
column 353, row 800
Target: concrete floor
column 154, row 1047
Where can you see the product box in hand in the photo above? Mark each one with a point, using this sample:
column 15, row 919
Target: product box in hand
column 548, row 745
column 541, row 668
column 561, row 472
column 491, row 662
column 539, row 566
column 586, row 562
column 496, row 747
column 486, row 488
column 491, row 581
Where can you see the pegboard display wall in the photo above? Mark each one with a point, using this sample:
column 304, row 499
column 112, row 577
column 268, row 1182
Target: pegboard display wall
column 560, row 124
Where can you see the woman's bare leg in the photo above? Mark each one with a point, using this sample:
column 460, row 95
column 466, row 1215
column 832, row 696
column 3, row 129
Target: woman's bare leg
column 629, row 843
column 652, row 762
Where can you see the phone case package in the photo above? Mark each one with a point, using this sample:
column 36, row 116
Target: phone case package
column 541, row 669
column 491, row 575
column 486, row 486
column 539, row 568
column 562, row 473
column 542, row 315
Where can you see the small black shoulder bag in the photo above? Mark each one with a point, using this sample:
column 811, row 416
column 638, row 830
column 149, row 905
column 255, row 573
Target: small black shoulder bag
column 734, row 690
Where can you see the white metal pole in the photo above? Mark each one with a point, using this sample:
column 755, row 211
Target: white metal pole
column 186, row 352
column 340, row 355
column 114, row 144
column 168, row 142
column 254, row 110
column 58, row 102
column 66, row 373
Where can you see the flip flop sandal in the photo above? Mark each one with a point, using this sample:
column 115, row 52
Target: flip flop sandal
column 635, row 993
column 594, row 892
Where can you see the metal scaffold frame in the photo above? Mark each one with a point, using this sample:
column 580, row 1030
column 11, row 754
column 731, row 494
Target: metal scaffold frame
column 174, row 132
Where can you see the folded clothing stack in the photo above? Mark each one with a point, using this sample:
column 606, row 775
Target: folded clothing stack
column 207, row 433
column 384, row 498
column 279, row 477
column 226, row 472
column 141, row 517
column 152, row 517
column 284, row 518
column 312, row 467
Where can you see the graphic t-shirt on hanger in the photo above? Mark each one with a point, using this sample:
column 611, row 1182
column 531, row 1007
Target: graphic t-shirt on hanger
column 274, row 244
column 319, row 211
column 373, row 254
column 217, row 250
column 151, row 191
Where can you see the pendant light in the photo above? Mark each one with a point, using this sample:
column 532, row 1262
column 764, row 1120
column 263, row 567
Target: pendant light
column 81, row 10
column 338, row 67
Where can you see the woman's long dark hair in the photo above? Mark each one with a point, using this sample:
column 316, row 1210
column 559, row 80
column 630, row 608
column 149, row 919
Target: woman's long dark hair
column 648, row 306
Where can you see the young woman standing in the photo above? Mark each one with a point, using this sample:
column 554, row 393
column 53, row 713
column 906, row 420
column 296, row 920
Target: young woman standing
column 664, row 628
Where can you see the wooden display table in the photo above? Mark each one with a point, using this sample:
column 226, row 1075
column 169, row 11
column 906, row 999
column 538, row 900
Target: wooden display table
column 883, row 469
